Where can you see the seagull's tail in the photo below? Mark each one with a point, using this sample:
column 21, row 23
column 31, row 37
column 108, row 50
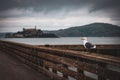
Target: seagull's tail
column 94, row 46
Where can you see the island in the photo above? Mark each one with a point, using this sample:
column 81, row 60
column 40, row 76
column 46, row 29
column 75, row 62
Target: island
column 31, row 33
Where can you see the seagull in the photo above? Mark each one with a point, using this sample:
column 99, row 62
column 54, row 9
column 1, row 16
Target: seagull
column 87, row 44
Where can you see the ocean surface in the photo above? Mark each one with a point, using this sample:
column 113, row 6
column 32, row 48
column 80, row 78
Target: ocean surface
column 64, row 40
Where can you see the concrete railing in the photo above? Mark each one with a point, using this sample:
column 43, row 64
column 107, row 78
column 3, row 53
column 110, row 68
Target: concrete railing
column 65, row 64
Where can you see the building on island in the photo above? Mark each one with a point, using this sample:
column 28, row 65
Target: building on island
column 30, row 33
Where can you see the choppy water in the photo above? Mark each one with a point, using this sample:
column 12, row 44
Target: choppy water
column 65, row 40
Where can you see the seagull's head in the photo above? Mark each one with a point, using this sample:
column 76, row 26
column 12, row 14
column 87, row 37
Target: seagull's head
column 84, row 38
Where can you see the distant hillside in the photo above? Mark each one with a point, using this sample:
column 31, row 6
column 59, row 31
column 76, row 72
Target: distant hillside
column 93, row 30
column 90, row 30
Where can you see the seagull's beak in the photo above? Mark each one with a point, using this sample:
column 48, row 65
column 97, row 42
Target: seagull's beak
column 82, row 39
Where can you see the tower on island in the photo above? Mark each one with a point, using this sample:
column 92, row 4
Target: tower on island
column 35, row 27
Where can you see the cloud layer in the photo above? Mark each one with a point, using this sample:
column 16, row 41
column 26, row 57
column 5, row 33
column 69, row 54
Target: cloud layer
column 58, row 13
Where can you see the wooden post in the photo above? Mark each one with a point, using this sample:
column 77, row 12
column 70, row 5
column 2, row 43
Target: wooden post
column 46, row 67
column 54, row 71
column 65, row 76
column 104, row 66
column 80, row 74
column 80, row 69
column 40, row 64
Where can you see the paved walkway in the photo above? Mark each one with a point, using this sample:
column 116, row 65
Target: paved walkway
column 12, row 69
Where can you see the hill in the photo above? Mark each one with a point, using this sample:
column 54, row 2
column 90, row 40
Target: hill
column 90, row 30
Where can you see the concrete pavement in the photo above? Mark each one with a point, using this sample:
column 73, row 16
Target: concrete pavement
column 13, row 69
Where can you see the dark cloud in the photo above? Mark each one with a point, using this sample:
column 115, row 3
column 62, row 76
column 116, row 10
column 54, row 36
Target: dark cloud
column 110, row 7
column 106, row 4
column 52, row 4
column 48, row 5
column 40, row 4
column 44, row 6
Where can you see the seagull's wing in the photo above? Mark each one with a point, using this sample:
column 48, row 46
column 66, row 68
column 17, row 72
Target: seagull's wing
column 89, row 45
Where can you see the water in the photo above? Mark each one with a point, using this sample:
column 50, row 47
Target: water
column 64, row 40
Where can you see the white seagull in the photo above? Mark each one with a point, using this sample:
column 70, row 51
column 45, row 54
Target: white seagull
column 87, row 44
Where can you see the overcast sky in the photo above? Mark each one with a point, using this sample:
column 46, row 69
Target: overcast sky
column 56, row 14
